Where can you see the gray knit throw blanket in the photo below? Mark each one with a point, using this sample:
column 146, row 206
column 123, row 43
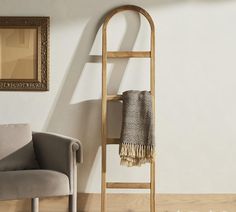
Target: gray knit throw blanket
column 137, row 145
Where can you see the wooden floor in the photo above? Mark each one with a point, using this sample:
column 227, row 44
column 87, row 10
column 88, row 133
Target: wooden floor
column 132, row 203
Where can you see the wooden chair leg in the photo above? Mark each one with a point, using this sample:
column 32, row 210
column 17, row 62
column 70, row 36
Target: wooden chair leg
column 73, row 202
column 35, row 205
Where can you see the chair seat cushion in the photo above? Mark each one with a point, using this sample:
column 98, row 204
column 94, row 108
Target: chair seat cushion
column 32, row 183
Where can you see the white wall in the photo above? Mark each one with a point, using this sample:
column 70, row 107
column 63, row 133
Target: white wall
column 195, row 78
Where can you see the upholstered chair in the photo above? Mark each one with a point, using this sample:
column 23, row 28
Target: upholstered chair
column 34, row 165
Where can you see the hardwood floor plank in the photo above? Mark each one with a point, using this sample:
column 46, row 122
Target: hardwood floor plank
column 132, row 203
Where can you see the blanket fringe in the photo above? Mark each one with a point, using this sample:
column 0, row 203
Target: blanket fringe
column 136, row 154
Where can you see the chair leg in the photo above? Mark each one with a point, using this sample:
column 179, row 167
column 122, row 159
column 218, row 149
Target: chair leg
column 73, row 202
column 35, row 205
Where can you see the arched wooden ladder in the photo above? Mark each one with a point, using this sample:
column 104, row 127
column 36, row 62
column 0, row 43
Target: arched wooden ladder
column 105, row 97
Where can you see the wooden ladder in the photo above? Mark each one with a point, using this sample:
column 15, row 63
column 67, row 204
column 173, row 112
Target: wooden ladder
column 105, row 97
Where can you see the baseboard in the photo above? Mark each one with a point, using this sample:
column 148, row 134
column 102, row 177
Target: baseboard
column 132, row 203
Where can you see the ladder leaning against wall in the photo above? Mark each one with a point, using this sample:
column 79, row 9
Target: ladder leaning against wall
column 105, row 97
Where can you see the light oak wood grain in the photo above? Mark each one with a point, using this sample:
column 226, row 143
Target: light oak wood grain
column 129, row 185
column 129, row 54
column 114, row 97
column 113, row 141
column 105, row 140
column 132, row 203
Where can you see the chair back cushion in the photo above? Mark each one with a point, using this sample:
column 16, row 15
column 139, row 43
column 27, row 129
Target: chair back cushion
column 16, row 148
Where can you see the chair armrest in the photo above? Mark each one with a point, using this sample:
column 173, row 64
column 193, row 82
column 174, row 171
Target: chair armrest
column 58, row 153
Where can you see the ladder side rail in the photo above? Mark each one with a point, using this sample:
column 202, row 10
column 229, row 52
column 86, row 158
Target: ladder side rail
column 104, row 118
column 105, row 98
column 152, row 89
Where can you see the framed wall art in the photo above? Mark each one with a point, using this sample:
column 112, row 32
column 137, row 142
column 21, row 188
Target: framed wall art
column 24, row 53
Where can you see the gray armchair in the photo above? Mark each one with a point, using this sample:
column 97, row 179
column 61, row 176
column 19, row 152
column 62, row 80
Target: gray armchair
column 55, row 174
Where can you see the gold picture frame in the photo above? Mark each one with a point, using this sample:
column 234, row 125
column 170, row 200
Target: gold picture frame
column 24, row 53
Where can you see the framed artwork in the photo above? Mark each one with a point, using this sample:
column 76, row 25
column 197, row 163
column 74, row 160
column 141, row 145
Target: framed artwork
column 24, row 53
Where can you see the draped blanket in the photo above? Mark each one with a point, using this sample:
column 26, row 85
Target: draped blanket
column 137, row 145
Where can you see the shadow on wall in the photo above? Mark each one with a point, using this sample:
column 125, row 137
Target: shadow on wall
column 66, row 117
column 83, row 120
column 92, row 9
column 91, row 6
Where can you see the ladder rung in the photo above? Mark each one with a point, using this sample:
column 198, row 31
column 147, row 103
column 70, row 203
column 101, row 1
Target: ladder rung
column 129, row 185
column 127, row 54
column 114, row 97
column 113, row 140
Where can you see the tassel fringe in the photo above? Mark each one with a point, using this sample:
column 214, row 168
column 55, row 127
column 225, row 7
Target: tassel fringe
column 136, row 154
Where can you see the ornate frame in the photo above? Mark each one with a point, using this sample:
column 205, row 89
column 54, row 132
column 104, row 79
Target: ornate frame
column 41, row 82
